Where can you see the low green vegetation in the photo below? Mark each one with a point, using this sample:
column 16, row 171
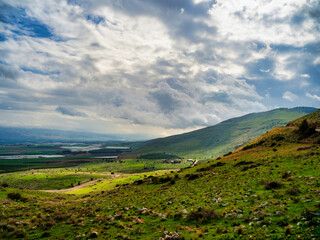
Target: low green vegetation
column 46, row 179
column 135, row 165
column 269, row 188
column 159, row 156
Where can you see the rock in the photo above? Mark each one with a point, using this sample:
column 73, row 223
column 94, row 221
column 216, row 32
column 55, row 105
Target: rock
column 94, row 234
column 171, row 236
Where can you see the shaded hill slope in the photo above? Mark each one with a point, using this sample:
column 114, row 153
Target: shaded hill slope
column 225, row 136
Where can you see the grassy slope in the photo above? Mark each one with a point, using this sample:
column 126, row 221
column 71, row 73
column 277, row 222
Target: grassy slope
column 226, row 136
column 312, row 118
column 229, row 200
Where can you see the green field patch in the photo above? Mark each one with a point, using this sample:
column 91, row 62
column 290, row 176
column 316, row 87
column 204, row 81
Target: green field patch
column 134, row 165
column 114, row 182
column 40, row 180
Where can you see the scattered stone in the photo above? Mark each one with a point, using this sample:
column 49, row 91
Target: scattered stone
column 171, row 236
column 94, row 234
column 286, row 175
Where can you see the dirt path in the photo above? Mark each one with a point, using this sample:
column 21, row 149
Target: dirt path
column 194, row 163
column 83, row 185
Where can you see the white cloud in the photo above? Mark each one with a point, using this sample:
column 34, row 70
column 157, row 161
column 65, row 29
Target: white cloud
column 146, row 66
column 305, row 75
column 289, row 96
column 315, row 97
column 316, row 61
column 260, row 20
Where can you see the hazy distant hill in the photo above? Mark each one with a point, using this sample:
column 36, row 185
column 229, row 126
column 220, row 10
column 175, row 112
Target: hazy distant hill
column 225, row 136
column 12, row 134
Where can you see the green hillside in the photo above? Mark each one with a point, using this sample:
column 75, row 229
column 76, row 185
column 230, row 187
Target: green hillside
column 226, row 136
column 312, row 118
column 268, row 189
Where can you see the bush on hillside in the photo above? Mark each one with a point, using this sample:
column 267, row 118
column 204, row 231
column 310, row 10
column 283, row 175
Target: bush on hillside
column 16, row 196
column 294, row 191
column 305, row 129
column 227, row 154
column 273, row 185
column 159, row 156
column 160, row 180
column 203, row 215
column 192, row 176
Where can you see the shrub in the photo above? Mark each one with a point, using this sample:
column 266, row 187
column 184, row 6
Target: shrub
column 227, row 154
column 138, row 182
column 253, row 145
column 192, row 176
column 294, row 191
column 305, row 129
column 18, row 233
column 154, row 179
column 286, row 175
column 164, row 179
column 243, row 163
column 178, row 215
column 45, row 234
column 278, row 138
column 14, row 196
column 172, row 182
column 203, row 215
column 5, row 185
column 218, row 164
column 248, row 147
column 273, row 185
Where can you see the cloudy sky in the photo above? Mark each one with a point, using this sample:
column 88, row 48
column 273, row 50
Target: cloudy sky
column 154, row 67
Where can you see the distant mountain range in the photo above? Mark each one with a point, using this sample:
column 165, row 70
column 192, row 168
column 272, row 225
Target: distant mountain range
column 14, row 134
column 226, row 136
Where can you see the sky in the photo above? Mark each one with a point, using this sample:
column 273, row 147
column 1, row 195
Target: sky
column 154, row 67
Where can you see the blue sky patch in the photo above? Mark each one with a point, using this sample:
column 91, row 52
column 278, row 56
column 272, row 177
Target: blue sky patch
column 26, row 25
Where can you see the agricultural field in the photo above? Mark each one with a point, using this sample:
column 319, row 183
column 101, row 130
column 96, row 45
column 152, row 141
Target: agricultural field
column 46, row 179
column 18, row 157
column 78, row 172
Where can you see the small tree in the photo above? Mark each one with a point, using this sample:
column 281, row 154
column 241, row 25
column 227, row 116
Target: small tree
column 305, row 129
column 304, row 126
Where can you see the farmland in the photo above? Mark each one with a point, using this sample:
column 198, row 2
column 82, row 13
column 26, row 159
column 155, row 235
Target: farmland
column 96, row 168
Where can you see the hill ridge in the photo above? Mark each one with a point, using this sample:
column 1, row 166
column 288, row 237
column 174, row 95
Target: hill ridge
column 225, row 136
